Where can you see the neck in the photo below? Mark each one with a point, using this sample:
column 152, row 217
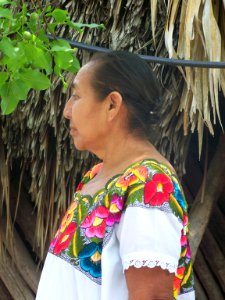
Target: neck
column 121, row 150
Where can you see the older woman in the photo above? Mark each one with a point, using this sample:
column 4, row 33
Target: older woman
column 125, row 233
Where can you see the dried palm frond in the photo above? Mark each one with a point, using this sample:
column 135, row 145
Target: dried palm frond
column 201, row 37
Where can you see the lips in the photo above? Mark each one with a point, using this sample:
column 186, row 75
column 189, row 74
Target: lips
column 72, row 129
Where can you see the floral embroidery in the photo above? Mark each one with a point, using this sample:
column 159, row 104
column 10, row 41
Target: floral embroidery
column 132, row 176
column 88, row 223
column 95, row 223
column 180, row 198
column 68, row 216
column 177, row 281
column 79, row 187
column 90, row 259
column 157, row 191
column 115, row 210
column 64, row 239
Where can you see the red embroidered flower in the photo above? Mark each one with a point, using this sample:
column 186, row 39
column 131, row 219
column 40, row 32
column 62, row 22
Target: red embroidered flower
column 95, row 223
column 157, row 191
column 80, row 186
column 177, row 281
column 65, row 238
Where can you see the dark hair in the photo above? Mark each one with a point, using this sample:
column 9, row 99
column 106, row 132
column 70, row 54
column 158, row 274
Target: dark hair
column 132, row 77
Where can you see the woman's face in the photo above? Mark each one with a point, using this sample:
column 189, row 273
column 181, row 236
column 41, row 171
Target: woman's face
column 87, row 115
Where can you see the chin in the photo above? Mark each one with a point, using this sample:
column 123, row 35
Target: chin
column 79, row 146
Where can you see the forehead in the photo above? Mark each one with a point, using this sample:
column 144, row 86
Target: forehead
column 84, row 76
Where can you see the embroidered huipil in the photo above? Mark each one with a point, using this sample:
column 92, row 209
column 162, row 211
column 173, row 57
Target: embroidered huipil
column 138, row 219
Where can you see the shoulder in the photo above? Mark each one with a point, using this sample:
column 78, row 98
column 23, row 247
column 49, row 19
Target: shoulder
column 151, row 184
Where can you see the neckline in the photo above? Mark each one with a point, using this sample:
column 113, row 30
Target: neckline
column 104, row 188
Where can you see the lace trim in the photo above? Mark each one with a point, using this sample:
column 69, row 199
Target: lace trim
column 150, row 264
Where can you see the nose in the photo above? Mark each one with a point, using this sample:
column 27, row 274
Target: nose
column 67, row 112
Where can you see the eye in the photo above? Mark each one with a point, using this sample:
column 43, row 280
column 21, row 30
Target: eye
column 75, row 97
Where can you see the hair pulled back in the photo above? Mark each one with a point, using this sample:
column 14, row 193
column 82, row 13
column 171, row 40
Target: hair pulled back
column 129, row 75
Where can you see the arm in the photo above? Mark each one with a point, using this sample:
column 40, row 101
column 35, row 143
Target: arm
column 149, row 283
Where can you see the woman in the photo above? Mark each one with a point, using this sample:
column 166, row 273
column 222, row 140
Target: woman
column 125, row 234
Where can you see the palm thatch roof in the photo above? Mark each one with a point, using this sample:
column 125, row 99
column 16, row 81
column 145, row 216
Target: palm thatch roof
column 39, row 165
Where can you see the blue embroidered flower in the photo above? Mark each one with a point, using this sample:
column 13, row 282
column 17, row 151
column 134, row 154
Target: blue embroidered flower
column 179, row 196
column 90, row 259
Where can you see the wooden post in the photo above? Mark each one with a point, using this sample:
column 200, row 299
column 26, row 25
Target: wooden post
column 200, row 212
column 22, row 259
column 13, row 281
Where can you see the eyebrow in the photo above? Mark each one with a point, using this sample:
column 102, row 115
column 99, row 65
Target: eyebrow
column 73, row 85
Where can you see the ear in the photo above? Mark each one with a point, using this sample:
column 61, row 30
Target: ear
column 114, row 104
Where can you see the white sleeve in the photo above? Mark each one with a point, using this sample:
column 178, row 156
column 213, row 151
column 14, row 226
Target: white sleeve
column 149, row 237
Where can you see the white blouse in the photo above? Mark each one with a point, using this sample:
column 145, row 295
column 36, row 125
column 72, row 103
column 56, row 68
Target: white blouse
column 146, row 234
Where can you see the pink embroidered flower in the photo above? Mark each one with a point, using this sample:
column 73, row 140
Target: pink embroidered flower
column 188, row 253
column 115, row 209
column 185, row 220
column 183, row 240
column 64, row 239
column 157, row 191
column 95, row 223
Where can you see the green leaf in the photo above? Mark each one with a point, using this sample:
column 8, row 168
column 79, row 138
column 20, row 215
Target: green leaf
column 81, row 25
column 12, row 26
column 75, row 66
column 48, row 8
column 24, row 9
column 37, row 57
column 6, row 45
column 14, row 57
column 11, row 93
column 35, row 79
column 63, row 60
column 3, row 77
column 59, row 15
column 52, row 26
column 73, row 25
column 61, row 45
column 4, row 2
column 5, row 13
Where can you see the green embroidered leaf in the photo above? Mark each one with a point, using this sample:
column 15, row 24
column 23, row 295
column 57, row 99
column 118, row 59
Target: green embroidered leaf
column 82, row 209
column 175, row 207
column 96, row 240
column 77, row 245
column 136, row 194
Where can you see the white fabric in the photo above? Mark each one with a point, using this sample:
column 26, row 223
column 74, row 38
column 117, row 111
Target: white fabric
column 149, row 236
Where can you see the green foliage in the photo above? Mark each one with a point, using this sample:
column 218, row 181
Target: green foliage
column 27, row 57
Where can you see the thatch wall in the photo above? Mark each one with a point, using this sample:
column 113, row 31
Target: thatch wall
column 39, row 166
